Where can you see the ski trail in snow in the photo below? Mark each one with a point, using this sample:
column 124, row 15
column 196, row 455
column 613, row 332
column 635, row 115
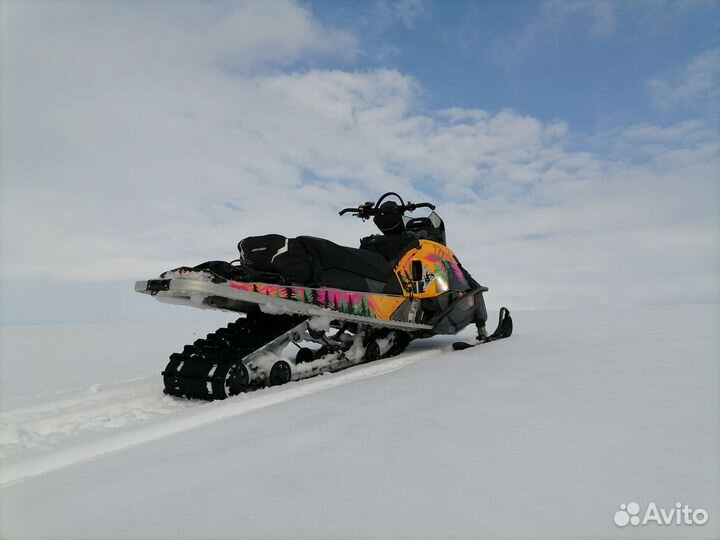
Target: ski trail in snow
column 117, row 408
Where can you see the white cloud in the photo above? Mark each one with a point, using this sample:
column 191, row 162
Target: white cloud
column 681, row 131
column 129, row 147
column 696, row 85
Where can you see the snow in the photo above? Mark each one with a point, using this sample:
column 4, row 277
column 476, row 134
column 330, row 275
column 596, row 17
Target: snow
column 544, row 434
column 197, row 275
column 271, row 309
column 320, row 323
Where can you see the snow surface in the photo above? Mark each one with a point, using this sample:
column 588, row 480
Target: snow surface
column 541, row 435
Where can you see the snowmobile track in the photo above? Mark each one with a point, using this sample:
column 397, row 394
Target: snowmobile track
column 215, row 368
column 203, row 369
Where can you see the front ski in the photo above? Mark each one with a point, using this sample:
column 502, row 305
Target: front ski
column 504, row 330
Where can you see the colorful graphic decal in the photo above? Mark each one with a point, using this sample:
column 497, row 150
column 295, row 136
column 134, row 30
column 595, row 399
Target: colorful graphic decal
column 441, row 271
column 375, row 306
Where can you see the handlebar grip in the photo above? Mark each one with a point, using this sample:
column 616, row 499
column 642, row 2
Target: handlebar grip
column 346, row 210
column 423, row 205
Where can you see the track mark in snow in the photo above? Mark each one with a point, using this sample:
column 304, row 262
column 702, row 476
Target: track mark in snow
column 73, row 415
column 96, row 409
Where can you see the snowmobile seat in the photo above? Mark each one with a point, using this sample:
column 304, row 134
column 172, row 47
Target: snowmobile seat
column 349, row 268
column 307, row 260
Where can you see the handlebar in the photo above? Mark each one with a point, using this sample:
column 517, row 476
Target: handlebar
column 363, row 211
column 369, row 209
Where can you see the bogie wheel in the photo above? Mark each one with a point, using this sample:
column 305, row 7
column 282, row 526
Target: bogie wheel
column 236, row 380
column 280, row 373
column 372, row 351
column 171, row 372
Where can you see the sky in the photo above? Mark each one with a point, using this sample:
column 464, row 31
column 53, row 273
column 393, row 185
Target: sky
column 571, row 147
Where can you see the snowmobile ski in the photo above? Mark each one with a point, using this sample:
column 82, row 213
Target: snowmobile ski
column 504, row 330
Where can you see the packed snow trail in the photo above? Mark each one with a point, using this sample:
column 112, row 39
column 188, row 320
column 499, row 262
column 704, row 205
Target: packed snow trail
column 100, row 408
column 544, row 434
column 46, row 425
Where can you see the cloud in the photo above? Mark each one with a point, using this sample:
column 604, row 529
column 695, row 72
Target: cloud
column 129, row 147
column 696, row 85
column 260, row 33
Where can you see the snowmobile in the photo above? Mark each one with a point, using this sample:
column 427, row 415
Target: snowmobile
column 340, row 306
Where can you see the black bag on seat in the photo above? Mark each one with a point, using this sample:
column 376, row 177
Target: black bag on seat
column 278, row 254
column 392, row 247
column 329, row 256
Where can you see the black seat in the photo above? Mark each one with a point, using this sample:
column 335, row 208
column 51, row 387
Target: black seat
column 349, row 268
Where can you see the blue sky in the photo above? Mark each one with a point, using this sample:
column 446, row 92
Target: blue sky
column 572, row 147
column 588, row 63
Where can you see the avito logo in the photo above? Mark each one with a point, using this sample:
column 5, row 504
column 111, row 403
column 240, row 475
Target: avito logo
column 680, row 514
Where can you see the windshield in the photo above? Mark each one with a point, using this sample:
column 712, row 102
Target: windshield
column 434, row 219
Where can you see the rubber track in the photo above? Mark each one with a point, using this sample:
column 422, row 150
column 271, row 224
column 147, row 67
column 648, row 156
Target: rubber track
column 201, row 369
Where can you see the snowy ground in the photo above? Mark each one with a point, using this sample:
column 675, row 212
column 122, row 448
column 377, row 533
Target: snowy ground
column 542, row 435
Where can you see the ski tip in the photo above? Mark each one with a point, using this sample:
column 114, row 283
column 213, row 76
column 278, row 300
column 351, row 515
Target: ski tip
column 461, row 345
